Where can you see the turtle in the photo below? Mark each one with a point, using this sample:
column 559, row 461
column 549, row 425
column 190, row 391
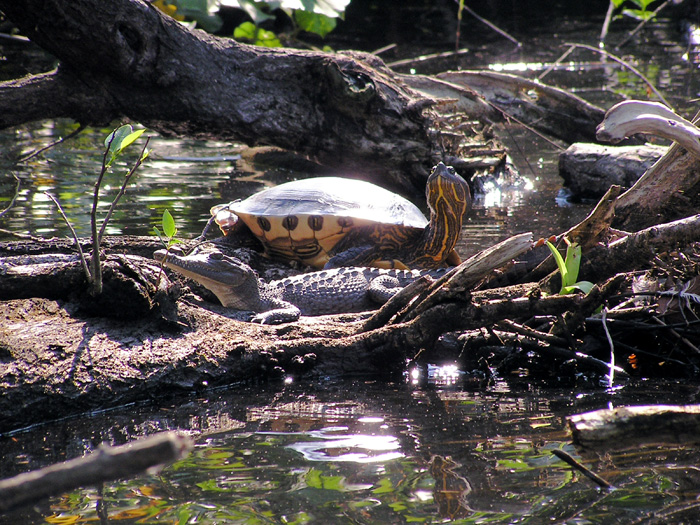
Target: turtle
column 329, row 222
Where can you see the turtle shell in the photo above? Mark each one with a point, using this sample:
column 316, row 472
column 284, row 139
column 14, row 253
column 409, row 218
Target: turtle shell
column 305, row 219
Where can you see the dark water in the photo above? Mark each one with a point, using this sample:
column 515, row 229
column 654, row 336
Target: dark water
column 353, row 451
column 365, row 452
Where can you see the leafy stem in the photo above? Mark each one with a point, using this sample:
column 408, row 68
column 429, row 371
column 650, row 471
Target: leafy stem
column 569, row 268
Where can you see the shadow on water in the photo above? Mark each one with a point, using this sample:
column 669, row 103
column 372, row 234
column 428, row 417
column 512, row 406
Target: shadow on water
column 348, row 451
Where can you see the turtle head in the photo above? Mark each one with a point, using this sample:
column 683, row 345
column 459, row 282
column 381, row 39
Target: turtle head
column 230, row 279
column 449, row 200
column 447, row 190
column 224, row 217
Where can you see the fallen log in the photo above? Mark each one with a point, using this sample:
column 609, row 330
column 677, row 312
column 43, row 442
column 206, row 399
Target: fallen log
column 631, row 427
column 589, row 169
column 670, row 189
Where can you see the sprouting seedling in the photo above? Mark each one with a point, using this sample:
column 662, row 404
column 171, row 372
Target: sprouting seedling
column 115, row 144
column 169, row 230
column 569, row 268
column 167, row 237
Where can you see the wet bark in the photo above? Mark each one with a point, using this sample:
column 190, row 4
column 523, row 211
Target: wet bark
column 126, row 60
column 589, row 169
column 631, row 427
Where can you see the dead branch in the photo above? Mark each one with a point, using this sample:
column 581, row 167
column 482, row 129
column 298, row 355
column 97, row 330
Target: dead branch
column 107, row 464
column 631, row 427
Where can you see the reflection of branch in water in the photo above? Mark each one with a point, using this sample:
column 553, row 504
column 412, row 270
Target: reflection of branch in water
column 450, row 490
column 55, row 143
column 629, row 66
column 481, row 19
column 14, row 197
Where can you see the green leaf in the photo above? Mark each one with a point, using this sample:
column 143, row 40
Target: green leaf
column 252, row 9
column 115, row 138
column 245, row 31
column 573, row 262
column 330, row 8
column 168, row 222
column 560, row 262
column 202, row 12
column 259, row 37
column 130, row 138
column 584, row 286
column 314, row 22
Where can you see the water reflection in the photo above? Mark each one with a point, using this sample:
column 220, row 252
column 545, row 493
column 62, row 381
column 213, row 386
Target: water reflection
column 365, row 452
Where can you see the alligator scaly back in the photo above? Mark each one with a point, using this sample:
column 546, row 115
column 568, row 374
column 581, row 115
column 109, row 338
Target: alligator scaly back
column 332, row 291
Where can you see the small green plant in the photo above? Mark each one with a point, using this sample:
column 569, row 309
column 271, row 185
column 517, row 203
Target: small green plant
column 642, row 11
column 115, row 144
column 569, row 268
column 167, row 237
column 169, row 230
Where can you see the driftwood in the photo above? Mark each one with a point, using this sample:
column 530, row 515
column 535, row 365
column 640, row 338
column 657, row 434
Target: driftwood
column 669, row 189
column 589, row 169
column 551, row 110
column 631, row 427
column 107, row 464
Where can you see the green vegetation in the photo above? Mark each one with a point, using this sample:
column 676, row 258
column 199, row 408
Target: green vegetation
column 569, row 268
column 313, row 16
column 641, row 12
column 115, row 145
column 167, row 237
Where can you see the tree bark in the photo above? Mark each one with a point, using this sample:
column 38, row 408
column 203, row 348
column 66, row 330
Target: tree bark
column 124, row 59
column 589, row 170
column 632, row 427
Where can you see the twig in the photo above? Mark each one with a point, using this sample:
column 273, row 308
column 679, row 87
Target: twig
column 122, row 191
column 675, row 334
column 56, row 143
column 566, row 458
column 96, row 282
column 490, row 24
column 23, row 236
column 383, row 49
column 14, row 197
column 107, row 464
column 16, row 38
column 423, row 58
column 611, row 374
column 641, row 25
column 627, row 65
column 556, row 62
column 83, row 260
column 512, row 326
column 606, row 23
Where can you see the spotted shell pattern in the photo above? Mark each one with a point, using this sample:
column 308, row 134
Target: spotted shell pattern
column 305, row 219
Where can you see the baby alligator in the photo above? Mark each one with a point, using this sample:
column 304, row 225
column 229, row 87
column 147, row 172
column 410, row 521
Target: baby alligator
column 333, row 291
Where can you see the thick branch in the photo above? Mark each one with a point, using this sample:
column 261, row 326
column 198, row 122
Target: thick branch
column 52, row 95
column 107, row 464
column 343, row 109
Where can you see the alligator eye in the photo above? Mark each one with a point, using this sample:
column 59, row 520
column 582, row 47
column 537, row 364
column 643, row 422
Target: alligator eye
column 217, row 256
